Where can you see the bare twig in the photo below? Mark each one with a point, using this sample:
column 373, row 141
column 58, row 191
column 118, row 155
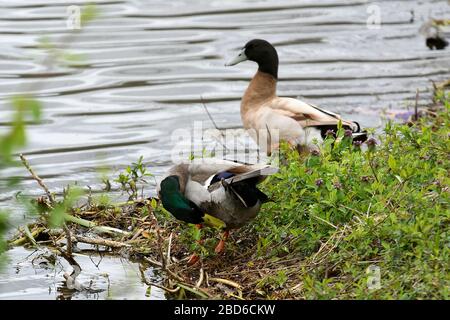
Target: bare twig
column 371, row 167
column 169, row 272
column 160, row 250
column 168, row 250
column 71, row 282
column 323, row 220
column 354, row 210
column 339, row 236
column 137, row 234
column 214, row 123
column 368, row 210
column 69, row 240
column 435, row 90
column 149, row 283
column 227, row 282
column 200, row 279
column 101, row 242
column 197, row 291
column 180, row 283
column 37, row 178
column 416, row 115
column 209, row 115
column 153, row 262
column 89, row 199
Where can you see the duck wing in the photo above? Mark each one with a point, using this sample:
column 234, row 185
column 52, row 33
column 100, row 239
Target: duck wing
column 260, row 173
column 243, row 184
column 198, row 170
column 309, row 115
column 256, row 173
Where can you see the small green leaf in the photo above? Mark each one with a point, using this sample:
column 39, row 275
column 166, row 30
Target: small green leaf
column 392, row 163
column 56, row 217
column 154, row 203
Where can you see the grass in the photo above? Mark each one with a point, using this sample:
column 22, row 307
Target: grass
column 347, row 210
column 350, row 222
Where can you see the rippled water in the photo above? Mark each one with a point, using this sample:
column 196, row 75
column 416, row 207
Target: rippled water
column 148, row 63
column 31, row 276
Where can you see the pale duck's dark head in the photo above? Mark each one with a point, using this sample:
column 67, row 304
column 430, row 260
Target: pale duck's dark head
column 261, row 52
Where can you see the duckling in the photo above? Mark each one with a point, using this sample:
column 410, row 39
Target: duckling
column 296, row 121
column 224, row 190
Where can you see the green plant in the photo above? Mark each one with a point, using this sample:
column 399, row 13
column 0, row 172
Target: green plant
column 132, row 177
column 25, row 108
column 351, row 207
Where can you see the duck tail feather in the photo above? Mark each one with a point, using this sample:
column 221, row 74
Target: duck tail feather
column 261, row 172
column 360, row 136
column 239, row 197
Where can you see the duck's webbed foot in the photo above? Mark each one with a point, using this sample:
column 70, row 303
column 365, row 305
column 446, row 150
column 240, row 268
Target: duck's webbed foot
column 194, row 257
column 221, row 245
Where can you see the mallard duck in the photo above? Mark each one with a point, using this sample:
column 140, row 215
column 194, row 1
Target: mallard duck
column 296, row 121
column 433, row 35
column 193, row 192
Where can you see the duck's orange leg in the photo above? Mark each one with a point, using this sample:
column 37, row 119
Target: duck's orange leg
column 221, row 245
column 194, row 257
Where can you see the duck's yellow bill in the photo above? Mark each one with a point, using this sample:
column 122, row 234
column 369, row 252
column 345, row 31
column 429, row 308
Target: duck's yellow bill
column 213, row 222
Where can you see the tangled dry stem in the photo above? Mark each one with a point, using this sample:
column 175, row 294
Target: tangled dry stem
column 237, row 274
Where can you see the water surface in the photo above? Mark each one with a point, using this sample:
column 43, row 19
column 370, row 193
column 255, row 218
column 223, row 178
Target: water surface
column 148, row 63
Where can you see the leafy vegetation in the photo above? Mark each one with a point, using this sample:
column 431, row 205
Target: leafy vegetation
column 131, row 178
column 352, row 221
column 345, row 209
column 350, row 215
column 24, row 109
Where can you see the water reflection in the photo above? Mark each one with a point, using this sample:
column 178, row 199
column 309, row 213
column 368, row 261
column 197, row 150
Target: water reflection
column 32, row 274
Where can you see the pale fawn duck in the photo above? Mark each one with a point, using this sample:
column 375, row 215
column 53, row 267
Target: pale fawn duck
column 296, row 121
